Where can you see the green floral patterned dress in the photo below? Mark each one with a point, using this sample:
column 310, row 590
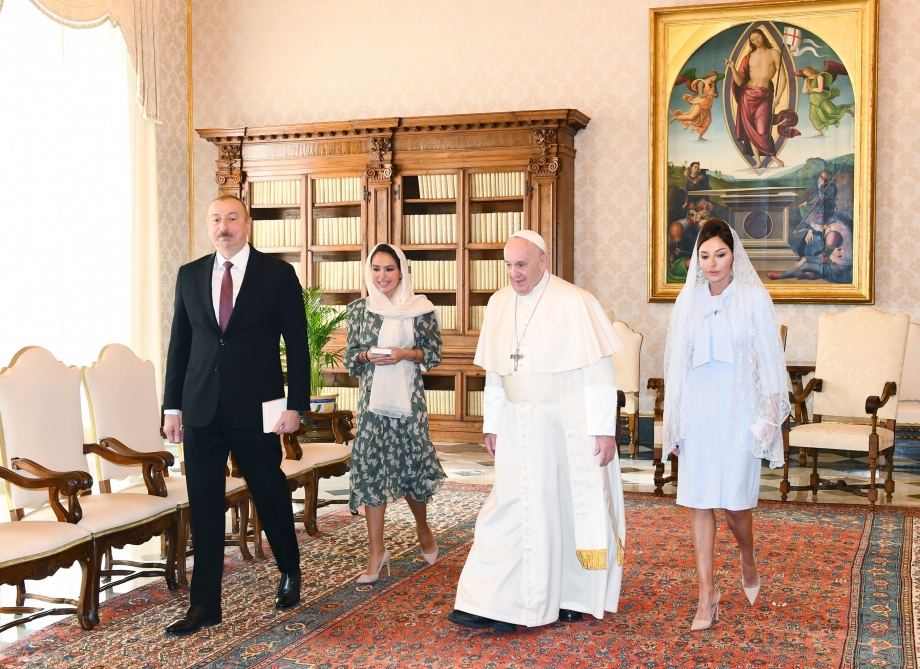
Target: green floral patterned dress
column 391, row 457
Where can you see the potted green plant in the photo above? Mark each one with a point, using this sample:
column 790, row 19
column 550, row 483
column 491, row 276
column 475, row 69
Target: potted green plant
column 322, row 320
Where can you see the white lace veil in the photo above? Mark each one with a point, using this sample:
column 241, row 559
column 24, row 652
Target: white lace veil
column 760, row 384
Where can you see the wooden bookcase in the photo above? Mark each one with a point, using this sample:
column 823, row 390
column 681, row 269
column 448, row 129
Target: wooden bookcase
column 447, row 189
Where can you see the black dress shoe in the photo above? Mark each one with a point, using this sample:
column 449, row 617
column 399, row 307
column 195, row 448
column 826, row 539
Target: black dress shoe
column 195, row 618
column 569, row 616
column 475, row 622
column 288, row 591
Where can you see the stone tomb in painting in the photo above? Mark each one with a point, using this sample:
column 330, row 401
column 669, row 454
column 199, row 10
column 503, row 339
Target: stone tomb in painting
column 761, row 217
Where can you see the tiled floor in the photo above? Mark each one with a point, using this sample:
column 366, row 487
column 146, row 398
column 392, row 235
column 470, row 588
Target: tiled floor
column 470, row 463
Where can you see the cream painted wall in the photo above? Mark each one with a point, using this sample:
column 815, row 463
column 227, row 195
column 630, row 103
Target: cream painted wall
column 259, row 62
column 172, row 155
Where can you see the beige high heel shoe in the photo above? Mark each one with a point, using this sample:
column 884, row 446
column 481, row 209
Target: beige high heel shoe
column 698, row 625
column 431, row 557
column 751, row 592
column 364, row 579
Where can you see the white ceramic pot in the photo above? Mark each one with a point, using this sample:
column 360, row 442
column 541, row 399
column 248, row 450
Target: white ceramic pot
column 323, row 403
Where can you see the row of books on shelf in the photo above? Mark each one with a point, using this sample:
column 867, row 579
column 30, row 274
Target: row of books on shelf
column 477, row 314
column 339, row 274
column 337, row 230
column 277, row 193
column 277, row 232
column 447, row 316
column 334, row 190
column 498, row 184
column 347, row 396
column 437, row 186
column 488, row 274
column 429, row 229
column 440, row 402
column 495, row 226
column 433, row 274
column 474, row 402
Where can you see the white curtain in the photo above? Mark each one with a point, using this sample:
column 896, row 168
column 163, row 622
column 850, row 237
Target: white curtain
column 138, row 21
column 78, row 205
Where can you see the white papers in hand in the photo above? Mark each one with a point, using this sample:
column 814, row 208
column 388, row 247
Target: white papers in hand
column 271, row 413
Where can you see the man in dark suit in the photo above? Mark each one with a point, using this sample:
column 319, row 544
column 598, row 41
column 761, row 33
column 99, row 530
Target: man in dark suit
column 232, row 308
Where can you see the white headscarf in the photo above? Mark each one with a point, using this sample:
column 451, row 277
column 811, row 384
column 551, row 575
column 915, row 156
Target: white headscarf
column 760, row 383
column 391, row 388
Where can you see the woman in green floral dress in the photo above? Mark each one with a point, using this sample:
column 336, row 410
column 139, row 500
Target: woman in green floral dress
column 392, row 456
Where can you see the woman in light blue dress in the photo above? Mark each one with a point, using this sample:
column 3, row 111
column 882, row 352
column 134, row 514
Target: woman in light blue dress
column 727, row 397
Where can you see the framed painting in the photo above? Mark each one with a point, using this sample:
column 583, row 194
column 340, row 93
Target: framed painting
column 763, row 115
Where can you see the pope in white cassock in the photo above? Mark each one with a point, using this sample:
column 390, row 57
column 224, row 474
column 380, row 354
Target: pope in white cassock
column 549, row 539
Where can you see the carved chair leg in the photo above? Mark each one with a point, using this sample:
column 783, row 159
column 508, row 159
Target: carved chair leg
column 99, row 551
column 872, row 493
column 242, row 534
column 659, row 471
column 889, row 468
column 21, row 593
column 784, row 484
column 235, row 521
column 815, row 478
column 84, row 604
column 631, row 420
column 172, row 552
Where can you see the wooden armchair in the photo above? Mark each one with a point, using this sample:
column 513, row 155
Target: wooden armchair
column 859, row 361
column 909, row 388
column 38, row 549
column 123, row 409
column 326, row 453
column 42, row 429
column 326, row 445
column 626, row 368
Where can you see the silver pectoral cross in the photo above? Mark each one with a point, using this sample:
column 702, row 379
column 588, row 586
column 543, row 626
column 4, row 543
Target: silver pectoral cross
column 516, row 356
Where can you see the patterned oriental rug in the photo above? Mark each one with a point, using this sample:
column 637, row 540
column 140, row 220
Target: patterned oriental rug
column 839, row 590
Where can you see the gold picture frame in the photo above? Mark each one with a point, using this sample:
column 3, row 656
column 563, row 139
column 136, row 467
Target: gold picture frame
column 763, row 114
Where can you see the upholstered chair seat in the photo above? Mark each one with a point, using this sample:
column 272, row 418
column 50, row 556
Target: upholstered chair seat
column 104, row 514
column 22, row 542
column 839, row 436
column 321, row 455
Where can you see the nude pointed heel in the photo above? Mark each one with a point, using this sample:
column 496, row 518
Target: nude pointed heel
column 752, row 592
column 365, row 579
column 699, row 625
column 431, row 557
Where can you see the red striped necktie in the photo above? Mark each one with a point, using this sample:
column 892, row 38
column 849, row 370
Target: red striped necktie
column 225, row 307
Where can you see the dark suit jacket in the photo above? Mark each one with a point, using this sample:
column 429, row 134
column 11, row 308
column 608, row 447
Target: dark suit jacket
column 236, row 371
